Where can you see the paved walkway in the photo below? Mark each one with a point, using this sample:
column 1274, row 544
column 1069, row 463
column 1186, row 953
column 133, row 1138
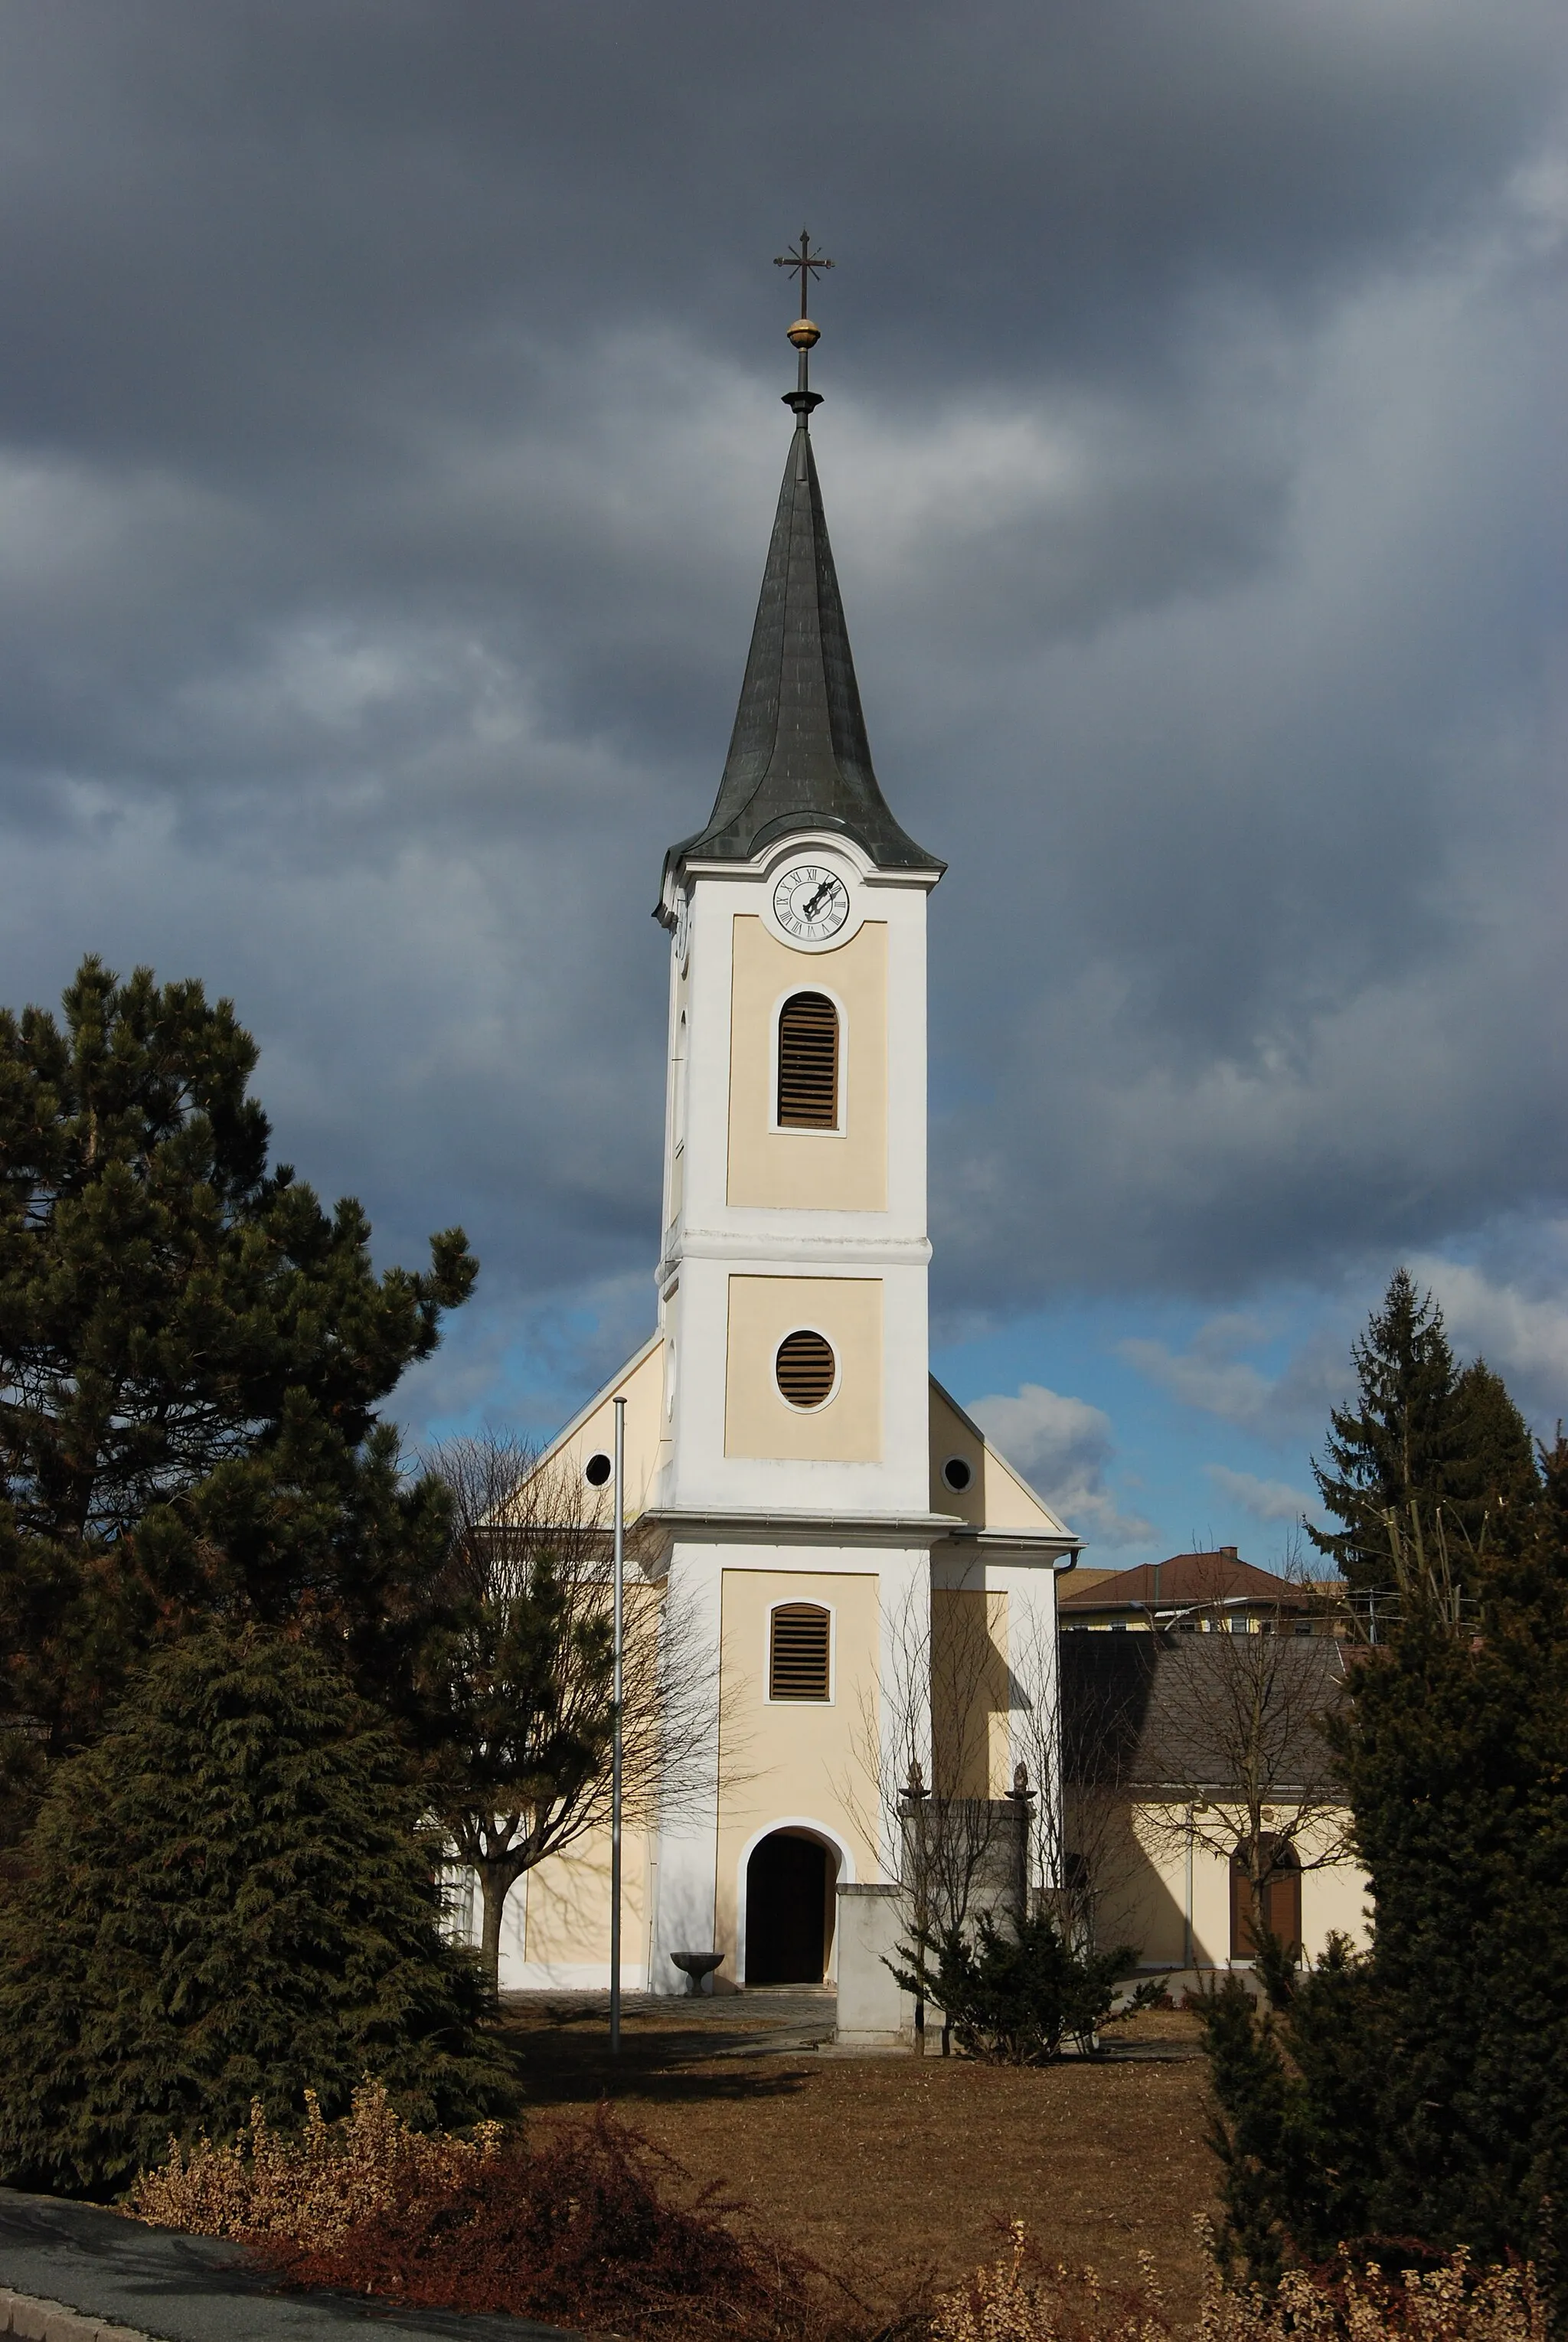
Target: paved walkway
column 767, row 2021
column 183, row 2289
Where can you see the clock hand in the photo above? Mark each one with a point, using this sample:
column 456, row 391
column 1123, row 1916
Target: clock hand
column 819, row 898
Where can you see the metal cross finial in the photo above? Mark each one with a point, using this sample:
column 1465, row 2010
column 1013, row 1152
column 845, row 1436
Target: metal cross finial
column 805, row 263
column 802, row 334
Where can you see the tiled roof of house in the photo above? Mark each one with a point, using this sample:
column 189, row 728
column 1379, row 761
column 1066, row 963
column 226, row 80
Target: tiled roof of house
column 1185, row 1580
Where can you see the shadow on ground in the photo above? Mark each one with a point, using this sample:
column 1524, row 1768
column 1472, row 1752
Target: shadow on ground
column 672, row 2050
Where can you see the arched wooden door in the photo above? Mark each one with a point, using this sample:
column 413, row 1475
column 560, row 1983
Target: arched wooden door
column 788, row 1882
column 1282, row 1898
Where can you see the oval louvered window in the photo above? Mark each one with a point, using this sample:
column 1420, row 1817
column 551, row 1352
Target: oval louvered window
column 808, row 1063
column 797, row 1652
column 805, row 1367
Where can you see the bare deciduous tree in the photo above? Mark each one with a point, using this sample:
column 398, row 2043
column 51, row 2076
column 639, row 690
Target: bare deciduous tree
column 923, row 1763
column 521, row 1685
column 1081, row 1853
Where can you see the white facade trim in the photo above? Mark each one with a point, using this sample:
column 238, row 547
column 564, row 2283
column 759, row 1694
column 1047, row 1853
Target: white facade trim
column 574, row 1976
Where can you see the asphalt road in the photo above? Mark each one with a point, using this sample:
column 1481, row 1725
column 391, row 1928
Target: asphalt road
column 198, row 2288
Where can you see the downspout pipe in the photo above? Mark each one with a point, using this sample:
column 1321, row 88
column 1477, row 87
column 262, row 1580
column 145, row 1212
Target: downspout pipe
column 1060, row 1567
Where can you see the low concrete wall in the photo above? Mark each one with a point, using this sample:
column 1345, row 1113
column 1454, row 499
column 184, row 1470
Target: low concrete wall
column 30, row 2319
column 873, row 2013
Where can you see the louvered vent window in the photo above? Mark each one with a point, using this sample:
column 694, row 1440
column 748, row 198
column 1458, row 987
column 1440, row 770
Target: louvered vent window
column 805, row 1367
column 797, row 1653
column 808, row 1063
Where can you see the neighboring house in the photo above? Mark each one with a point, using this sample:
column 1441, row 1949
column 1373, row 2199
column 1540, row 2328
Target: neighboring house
column 1198, row 1786
column 1197, row 1592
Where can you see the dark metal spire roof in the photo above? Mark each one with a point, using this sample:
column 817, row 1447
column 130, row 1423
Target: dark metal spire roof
column 799, row 757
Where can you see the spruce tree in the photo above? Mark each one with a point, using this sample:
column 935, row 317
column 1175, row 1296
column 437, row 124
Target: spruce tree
column 228, row 1898
column 1400, row 1445
column 1495, row 1481
column 192, row 1355
column 1420, row 2092
column 1450, row 1442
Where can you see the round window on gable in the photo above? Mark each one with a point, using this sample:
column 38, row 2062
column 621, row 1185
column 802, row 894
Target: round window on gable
column 958, row 1473
column 806, row 1369
column 597, row 1470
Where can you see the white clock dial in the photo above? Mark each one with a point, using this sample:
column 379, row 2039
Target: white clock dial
column 683, row 926
column 810, row 902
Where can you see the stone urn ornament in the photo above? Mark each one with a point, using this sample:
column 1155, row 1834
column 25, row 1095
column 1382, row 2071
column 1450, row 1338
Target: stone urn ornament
column 696, row 1966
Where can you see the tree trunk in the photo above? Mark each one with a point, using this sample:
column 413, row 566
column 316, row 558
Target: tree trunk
column 496, row 1882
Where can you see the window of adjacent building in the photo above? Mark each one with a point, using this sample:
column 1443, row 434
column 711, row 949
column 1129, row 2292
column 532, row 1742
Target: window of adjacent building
column 1282, row 1898
column 798, row 1652
column 806, row 1369
column 808, row 1063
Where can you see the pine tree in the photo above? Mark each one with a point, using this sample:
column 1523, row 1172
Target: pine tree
column 228, row 1898
column 191, row 1354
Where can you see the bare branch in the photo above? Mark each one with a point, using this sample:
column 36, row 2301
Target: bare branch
column 523, row 1683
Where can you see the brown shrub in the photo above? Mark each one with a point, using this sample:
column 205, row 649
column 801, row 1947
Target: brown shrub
column 310, row 2186
column 583, row 2228
column 1023, row 2299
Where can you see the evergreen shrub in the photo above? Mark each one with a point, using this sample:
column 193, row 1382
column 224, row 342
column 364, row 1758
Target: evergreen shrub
column 228, row 1899
column 1016, row 1993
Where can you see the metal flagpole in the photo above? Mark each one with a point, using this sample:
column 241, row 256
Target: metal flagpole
column 616, row 1741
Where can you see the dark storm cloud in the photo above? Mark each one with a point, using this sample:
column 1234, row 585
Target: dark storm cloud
column 388, row 438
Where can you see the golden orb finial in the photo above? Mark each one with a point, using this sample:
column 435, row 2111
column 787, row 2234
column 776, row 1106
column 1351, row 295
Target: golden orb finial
column 804, row 334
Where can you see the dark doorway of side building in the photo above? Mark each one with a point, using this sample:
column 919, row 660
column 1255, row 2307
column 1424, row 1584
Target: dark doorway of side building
column 1282, row 1898
column 790, row 1886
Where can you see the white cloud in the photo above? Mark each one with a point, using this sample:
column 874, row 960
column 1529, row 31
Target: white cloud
column 1213, row 1374
column 1232, row 1389
column 1524, row 1336
column 1063, row 1446
column 1266, row 1500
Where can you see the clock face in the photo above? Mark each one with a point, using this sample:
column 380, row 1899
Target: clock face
column 683, row 926
column 811, row 904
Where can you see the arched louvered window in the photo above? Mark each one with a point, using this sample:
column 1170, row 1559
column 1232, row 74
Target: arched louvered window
column 808, row 1063
column 798, row 1652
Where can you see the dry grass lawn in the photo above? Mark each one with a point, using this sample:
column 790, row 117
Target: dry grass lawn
column 884, row 2165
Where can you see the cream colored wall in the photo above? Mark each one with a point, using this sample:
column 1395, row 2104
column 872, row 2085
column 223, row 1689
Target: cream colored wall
column 567, row 1913
column 758, row 1420
column 1146, row 1895
column 971, row 1693
column 800, row 1761
column 844, row 1170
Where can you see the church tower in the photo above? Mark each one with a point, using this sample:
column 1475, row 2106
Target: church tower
column 815, row 1516
column 793, row 1275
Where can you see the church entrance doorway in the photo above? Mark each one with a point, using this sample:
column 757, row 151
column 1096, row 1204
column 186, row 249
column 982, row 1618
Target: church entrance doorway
column 790, row 1886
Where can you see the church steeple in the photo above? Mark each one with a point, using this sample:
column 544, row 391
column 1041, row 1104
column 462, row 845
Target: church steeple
column 799, row 757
